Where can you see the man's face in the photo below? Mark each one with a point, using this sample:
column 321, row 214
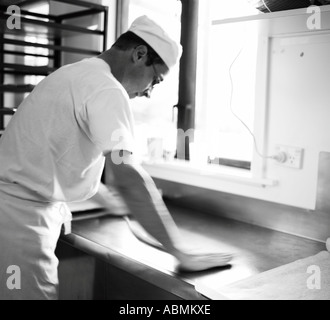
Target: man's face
column 159, row 73
column 144, row 78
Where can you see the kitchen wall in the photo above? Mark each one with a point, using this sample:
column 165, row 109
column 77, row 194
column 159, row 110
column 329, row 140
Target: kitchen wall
column 292, row 103
column 292, row 110
column 313, row 224
column 298, row 110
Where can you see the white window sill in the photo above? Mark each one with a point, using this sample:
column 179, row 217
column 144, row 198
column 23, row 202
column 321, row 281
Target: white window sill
column 218, row 178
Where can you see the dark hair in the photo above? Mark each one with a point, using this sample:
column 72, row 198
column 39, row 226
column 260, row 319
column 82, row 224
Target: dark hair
column 130, row 40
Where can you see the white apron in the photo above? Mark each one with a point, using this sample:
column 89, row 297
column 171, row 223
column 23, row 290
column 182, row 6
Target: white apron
column 29, row 231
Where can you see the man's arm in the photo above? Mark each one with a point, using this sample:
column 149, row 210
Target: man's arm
column 143, row 199
column 146, row 204
column 109, row 198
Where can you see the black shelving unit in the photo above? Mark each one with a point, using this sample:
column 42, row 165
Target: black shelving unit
column 49, row 30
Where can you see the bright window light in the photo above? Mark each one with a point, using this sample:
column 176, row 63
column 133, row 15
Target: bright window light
column 227, row 67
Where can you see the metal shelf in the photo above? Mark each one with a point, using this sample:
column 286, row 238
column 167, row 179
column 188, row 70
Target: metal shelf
column 47, row 29
column 17, row 53
column 16, row 88
column 54, row 28
column 7, row 111
column 50, row 47
column 75, row 3
column 10, row 68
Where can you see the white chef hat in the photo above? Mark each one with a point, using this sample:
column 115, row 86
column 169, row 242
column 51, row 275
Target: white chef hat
column 148, row 30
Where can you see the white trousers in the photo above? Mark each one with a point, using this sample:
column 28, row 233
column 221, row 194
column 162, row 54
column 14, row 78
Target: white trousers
column 29, row 232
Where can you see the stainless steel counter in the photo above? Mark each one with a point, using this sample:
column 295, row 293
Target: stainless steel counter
column 256, row 249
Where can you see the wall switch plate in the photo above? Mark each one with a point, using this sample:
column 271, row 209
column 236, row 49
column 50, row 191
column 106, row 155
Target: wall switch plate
column 291, row 157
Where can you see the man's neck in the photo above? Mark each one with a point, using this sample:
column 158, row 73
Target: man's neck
column 116, row 63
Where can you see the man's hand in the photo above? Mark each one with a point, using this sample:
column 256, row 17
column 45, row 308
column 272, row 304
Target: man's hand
column 193, row 262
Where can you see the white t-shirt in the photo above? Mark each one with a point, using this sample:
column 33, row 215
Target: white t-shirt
column 54, row 145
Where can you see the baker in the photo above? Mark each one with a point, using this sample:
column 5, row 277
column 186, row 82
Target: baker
column 55, row 147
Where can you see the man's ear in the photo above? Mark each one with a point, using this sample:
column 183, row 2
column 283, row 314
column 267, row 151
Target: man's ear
column 139, row 53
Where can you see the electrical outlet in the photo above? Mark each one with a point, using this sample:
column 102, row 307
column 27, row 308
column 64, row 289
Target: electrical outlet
column 291, row 157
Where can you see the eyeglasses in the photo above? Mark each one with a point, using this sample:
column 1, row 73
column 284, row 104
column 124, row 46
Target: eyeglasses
column 157, row 79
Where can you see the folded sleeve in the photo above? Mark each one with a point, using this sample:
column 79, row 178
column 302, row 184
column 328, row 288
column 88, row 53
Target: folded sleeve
column 109, row 121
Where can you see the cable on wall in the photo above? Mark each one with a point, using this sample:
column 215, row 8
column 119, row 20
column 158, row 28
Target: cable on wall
column 279, row 157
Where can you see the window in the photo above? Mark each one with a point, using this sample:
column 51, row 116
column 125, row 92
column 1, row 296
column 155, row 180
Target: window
column 226, row 84
column 155, row 121
column 225, row 90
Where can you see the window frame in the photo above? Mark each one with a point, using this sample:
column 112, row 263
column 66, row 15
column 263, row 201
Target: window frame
column 189, row 96
column 233, row 172
column 261, row 89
